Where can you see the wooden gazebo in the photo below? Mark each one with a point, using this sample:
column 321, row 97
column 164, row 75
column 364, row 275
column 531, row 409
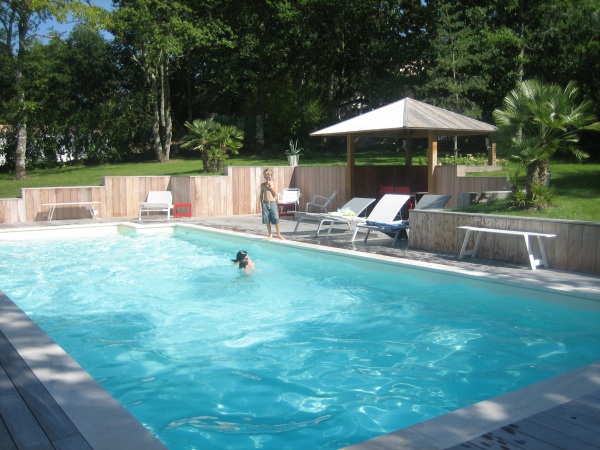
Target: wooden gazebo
column 408, row 119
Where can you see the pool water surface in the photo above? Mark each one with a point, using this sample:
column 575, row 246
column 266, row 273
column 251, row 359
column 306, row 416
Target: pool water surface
column 310, row 351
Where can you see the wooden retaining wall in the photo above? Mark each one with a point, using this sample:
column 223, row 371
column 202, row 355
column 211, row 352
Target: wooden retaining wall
column 575, row 248
column 34, row 200
column 454, row 180
column 235, row 192
column 12, row 210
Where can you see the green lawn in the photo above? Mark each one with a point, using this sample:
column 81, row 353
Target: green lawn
column 577, row 185
column 578, row 194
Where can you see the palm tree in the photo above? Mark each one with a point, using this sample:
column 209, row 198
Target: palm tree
column 201, row 137
column 537, row 121
column 229, row 139
column 214, row 141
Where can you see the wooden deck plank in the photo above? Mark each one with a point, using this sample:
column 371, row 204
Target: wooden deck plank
column 563, row 437
column 573, row 425
column 31, row 414
column 577, row 412
column 581, row 433
column 23, row 427
column 5, row 437
column 510, row 437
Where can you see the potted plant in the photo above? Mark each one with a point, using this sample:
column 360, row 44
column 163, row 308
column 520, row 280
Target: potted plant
column 293, row 153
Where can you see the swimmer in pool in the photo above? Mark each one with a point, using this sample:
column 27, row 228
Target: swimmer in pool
column 243, row 260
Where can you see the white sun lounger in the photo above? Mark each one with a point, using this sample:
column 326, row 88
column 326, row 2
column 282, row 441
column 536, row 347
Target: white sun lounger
column 355, row 207
column 383, row 215
column 157, row 201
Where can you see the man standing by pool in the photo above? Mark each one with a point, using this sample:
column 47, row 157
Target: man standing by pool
column 268, row 201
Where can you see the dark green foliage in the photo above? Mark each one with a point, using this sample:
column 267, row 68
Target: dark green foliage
column 280, row 69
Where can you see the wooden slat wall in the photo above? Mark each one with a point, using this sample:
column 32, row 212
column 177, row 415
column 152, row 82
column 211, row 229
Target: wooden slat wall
column 34, row 198
column 12, row 210
column 453, row 180
column 124, row 194
column 576, row 246
column 320, row 181
column 237, row 192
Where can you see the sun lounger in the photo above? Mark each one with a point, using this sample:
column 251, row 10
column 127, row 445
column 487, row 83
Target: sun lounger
column 347, row 214
column 157, row 201
column 430, row 201
column 382, row 217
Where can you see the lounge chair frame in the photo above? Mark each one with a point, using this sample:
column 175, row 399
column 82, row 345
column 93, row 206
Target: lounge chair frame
column 357, row 205
column 320, row 202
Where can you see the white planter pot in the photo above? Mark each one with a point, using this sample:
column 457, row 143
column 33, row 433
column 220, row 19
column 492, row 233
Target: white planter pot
column 293, row 159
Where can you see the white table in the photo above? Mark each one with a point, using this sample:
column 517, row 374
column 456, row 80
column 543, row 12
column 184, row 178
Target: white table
column 526, row 235
column 90, row 206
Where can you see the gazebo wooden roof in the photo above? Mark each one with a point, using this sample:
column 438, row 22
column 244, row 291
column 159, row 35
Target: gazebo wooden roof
column 408, row 119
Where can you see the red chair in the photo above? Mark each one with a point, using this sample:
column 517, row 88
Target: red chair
column 402, row 190
column 385, row 190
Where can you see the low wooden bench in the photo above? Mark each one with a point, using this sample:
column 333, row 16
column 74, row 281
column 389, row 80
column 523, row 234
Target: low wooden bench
column 89, row 205
column 526, row 235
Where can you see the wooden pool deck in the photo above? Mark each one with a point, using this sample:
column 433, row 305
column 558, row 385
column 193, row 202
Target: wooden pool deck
column 573, row 425
column 31, row 418
column 48, row 402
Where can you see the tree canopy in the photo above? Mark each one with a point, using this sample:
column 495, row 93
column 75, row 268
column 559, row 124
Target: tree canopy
column 276, row 69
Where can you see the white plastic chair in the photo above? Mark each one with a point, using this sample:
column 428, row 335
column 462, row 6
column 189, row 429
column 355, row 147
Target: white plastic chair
column 157, row 201
column 289, row 196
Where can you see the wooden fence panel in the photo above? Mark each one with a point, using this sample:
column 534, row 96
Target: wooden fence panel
column 588, row 254
column 561, row 246
column 240, row 186
column 575, row 247
column 12, row 210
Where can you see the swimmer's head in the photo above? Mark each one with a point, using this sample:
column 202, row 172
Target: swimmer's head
column 241, row 256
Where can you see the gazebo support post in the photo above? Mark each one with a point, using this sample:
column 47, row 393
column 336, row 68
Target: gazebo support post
column 350, row 161
column 431, row 160
column 491, row 148
column 408, row 149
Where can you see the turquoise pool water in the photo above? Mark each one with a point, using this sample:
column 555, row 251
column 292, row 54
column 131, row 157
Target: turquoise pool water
column 312, row 351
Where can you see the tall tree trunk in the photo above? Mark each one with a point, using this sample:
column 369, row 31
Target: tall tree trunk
column 166, row 120
column 521, row 68
column 260, row 117
column 21, row 123
column 190, row 92
column 20, row 159
column 156, row 119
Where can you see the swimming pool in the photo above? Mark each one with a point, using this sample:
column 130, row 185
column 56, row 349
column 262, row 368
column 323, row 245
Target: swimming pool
column 313, row 351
